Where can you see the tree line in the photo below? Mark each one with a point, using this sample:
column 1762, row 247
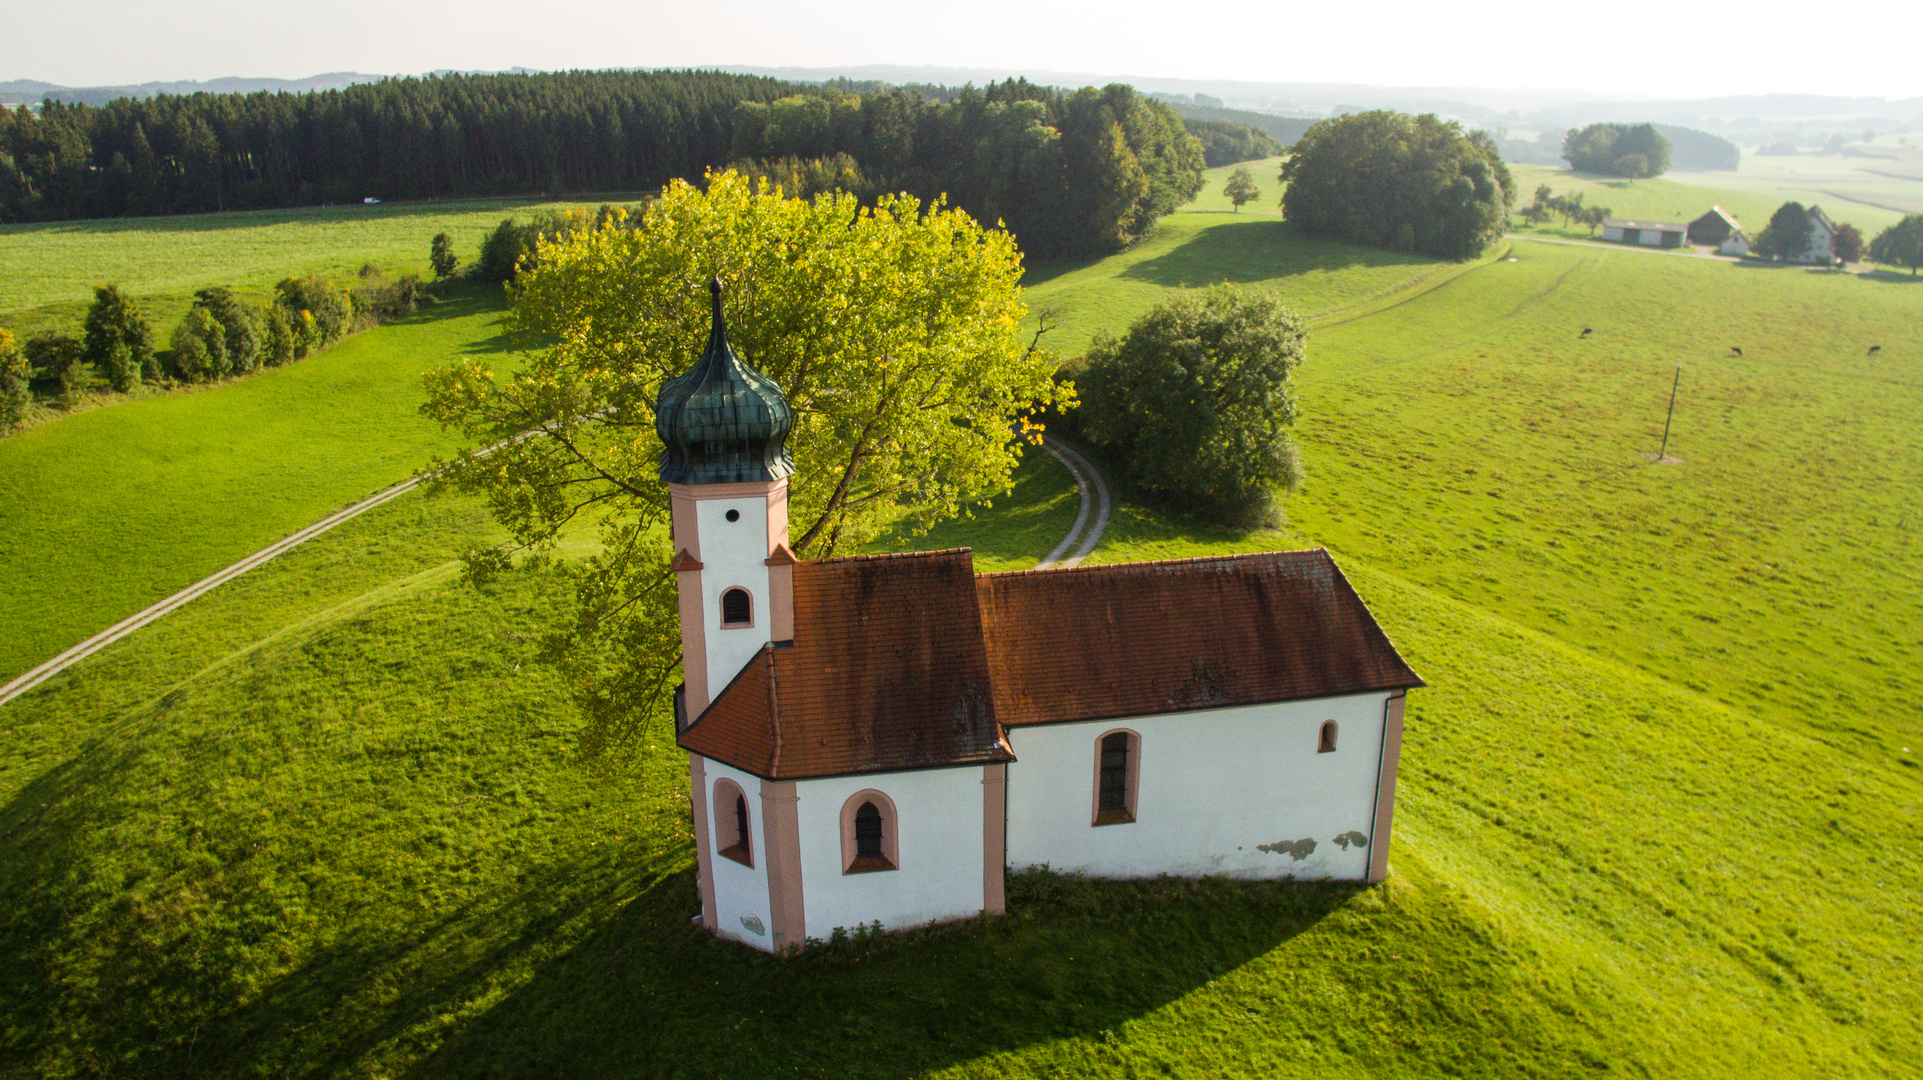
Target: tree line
column 221, row 335
column 1070, row 172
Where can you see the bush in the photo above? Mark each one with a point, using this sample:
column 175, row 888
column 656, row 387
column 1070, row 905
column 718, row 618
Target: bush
column 442, row 258
column 277, row 335
column 382, row 301
column 501, row 252
column 330, row 311
column 119, row 343
column 200, row 347
column 15, row 394
column 240, row 328
column 1195, row 404
column 1407, row 183
column 62, row 360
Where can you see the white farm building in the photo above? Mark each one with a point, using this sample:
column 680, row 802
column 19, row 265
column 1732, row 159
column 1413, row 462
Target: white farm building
column 878, row 739
column 1664, row 234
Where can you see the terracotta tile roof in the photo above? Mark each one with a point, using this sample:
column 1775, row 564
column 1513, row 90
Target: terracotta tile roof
column 1136, row 639
column 914, row 661
column 887, row 672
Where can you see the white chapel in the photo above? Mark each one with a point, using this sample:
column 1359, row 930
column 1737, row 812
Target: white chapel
column 880, row 738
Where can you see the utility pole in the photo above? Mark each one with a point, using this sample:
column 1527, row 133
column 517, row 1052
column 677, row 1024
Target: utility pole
column 1664, row 452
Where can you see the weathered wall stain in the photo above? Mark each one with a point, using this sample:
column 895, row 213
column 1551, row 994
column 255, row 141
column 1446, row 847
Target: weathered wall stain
column 1351, row 839
column 753, row 924
column 1294, row 849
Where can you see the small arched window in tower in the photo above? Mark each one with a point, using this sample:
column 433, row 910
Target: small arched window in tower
column 731, row 823
column 869, row 840
column 1116, row 767
column 737, row 608
column 1325, row 743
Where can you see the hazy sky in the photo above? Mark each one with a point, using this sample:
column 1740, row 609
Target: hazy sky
column 1680, row 48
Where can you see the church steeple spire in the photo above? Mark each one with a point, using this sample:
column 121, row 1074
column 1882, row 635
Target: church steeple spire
column 721, row 421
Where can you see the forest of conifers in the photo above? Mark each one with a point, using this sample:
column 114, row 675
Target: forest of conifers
column 1075, row 172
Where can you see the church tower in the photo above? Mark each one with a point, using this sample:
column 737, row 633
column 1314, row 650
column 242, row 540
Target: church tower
column 726, row 463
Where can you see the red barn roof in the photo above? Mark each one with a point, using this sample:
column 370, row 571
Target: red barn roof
column 914, row 661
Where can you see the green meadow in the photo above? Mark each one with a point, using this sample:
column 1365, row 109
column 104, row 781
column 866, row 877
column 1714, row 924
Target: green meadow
column 53, row 267
column 1659, row 806
column 112, row 509
column 1751, row 194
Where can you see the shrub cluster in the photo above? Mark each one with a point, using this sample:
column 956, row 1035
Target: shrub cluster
column 220, row 335
column 1406, row 183
column 1194, row 402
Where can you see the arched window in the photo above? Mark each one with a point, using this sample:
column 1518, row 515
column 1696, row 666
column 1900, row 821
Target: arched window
column 731, row 828
column 737, row 608
column 870, row 833
column 1117, row 769
column 1325, row 743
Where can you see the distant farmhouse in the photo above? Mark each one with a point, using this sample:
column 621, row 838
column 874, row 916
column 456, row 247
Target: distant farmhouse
column 1719, row 229
column 1822, row 240
column 872, row 740
column 1665, row 234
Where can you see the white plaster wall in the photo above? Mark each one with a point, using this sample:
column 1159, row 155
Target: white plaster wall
column 740, row 892
column 733, row 553
column 1612, row 232
column 1213, row 786
column 1651, row 238
column 939, row 818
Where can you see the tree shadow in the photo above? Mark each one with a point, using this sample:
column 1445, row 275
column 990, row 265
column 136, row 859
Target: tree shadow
column 1024, row 524
column 1253, row 251
column 649, row 993
column 587, row 966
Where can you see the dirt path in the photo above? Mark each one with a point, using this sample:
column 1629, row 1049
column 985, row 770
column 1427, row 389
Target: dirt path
column 1084, row 534
column 1082, row 537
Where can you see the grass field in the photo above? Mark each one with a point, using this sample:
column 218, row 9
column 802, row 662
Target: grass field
column 1752, row 194
column 52, row 267
column 1659, row 811
column 110, row 510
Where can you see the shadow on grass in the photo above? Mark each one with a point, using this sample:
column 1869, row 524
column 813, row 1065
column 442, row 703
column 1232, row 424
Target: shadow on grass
column 1022, row 526
column 1254, row 250
column 648, row 993
column 586, row 966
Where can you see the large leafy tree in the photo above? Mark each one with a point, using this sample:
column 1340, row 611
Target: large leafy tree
column 895, row 331
column 1631, row 150
column 1407, row 183
column 1901, row 244
column 1241, row 188
column 1195, row 401
column 119, row 341
column 1787, row 235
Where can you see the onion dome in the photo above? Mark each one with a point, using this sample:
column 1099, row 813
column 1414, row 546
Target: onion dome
column 722, row 421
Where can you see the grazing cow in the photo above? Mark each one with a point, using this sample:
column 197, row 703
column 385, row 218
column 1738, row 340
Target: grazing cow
column 1874, row 349
column 1736, row 349
column 1586, row 331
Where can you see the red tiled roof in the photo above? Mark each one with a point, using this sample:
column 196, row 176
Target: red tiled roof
column 887, row 672
column 914, row 661
column 1138, row 639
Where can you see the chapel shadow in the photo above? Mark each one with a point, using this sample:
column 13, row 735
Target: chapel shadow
column 1245, row 252
column 649, row 993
